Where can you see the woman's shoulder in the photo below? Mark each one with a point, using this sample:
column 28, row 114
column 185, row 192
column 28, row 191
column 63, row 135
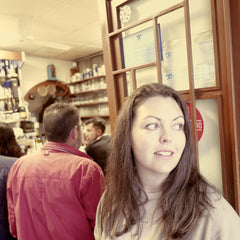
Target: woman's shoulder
column 223, row 219
column 218, row 222
column 221, row 207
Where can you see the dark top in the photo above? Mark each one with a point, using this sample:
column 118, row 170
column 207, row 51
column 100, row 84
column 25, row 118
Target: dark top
column 99, row 150
column 5, row 165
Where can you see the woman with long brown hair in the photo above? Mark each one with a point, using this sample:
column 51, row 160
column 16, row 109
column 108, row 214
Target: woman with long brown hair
column 153, row 186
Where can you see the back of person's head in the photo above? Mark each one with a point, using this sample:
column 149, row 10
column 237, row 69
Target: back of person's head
column 58, row 121
column 97, row 123
column 8, row 144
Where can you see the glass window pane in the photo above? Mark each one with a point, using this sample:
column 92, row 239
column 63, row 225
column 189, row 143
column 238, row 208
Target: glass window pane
column 173, row 42
column 202, row 43
column 174, row 50
column 146, row 75
column 137, row 10
column 138, row 46
column 209, row 144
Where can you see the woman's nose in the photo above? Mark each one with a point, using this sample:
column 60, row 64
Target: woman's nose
column 165, row 135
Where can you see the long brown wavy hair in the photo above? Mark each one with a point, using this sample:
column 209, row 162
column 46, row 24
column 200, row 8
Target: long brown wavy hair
column 8, row 144
column 184, row 195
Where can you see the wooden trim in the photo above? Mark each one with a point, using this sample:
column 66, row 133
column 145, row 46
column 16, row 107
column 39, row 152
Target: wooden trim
column 157, row 50
column 225, row 68
column 190, row 74
column 9, row 55
column 215, row 43
column 124, row 70
column 106, row 26
column 234, row 7
column 226, row 167
column 134, row 80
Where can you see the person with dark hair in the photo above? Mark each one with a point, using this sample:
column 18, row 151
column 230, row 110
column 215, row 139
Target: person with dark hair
column 8, row 143
column 54, row 193
column 98, row 143
column 9, row 152
column 154, row 189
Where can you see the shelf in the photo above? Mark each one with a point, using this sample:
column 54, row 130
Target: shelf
column 90, row 103
column 101, row 116
column 5, row 112
column 11, row 121
column 89, row 91
column 86, row 79
column 8, row 78
column 4, row 99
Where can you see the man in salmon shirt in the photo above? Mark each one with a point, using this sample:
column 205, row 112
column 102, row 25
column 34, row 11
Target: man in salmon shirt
column 54, row 193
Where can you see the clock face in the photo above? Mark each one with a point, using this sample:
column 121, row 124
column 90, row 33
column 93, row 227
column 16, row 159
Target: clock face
column 125, row 13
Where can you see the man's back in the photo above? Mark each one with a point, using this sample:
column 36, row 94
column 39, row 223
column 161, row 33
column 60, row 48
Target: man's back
column 53, row 194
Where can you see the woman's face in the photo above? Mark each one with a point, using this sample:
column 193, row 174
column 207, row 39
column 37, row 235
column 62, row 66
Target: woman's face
column 157, row 137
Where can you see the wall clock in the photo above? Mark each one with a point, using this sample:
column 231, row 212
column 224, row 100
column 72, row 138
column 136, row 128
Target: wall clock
column 125, row 13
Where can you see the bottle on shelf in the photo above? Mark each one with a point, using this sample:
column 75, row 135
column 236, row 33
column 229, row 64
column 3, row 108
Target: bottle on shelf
column 22, row 108
column 38, row 141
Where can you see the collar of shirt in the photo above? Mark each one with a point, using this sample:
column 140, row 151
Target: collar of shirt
column 61, row 147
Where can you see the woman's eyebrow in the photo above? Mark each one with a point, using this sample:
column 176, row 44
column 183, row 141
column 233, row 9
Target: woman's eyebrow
column 159, row 119
column 151, row 116
column 180, row 116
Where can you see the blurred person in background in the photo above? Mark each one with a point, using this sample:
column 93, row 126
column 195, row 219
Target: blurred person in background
column 9, row 152
column 98, row 143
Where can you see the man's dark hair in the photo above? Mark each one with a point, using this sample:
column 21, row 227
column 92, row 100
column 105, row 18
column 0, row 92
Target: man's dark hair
column 97, row 123
column 58, row 120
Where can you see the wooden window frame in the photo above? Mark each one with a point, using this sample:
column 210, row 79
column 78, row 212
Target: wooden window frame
column 117, row 89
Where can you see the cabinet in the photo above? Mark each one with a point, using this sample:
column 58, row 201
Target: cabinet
column 88, row 88
column 90, row 96
column 10, row 94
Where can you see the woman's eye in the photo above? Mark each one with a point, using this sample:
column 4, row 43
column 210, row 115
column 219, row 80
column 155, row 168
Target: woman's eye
column 178, row 126
column 152, row 126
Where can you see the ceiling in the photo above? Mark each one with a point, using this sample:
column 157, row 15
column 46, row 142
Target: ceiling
column 61, row 29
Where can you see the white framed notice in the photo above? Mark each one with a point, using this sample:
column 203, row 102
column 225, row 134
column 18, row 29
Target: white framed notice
column 139, row 48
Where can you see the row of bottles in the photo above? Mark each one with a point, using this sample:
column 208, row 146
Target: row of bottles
column 94, row 110
column 9, row 68
column 12, row 108
column 11, row 105
column 10, row 99
column 94, row 71
column 9, row 95
column 90, row 85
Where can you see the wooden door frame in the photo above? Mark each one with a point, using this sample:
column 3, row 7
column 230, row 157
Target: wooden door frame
column 233, row 7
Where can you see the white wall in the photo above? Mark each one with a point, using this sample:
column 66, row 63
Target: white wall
column 34, row 71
